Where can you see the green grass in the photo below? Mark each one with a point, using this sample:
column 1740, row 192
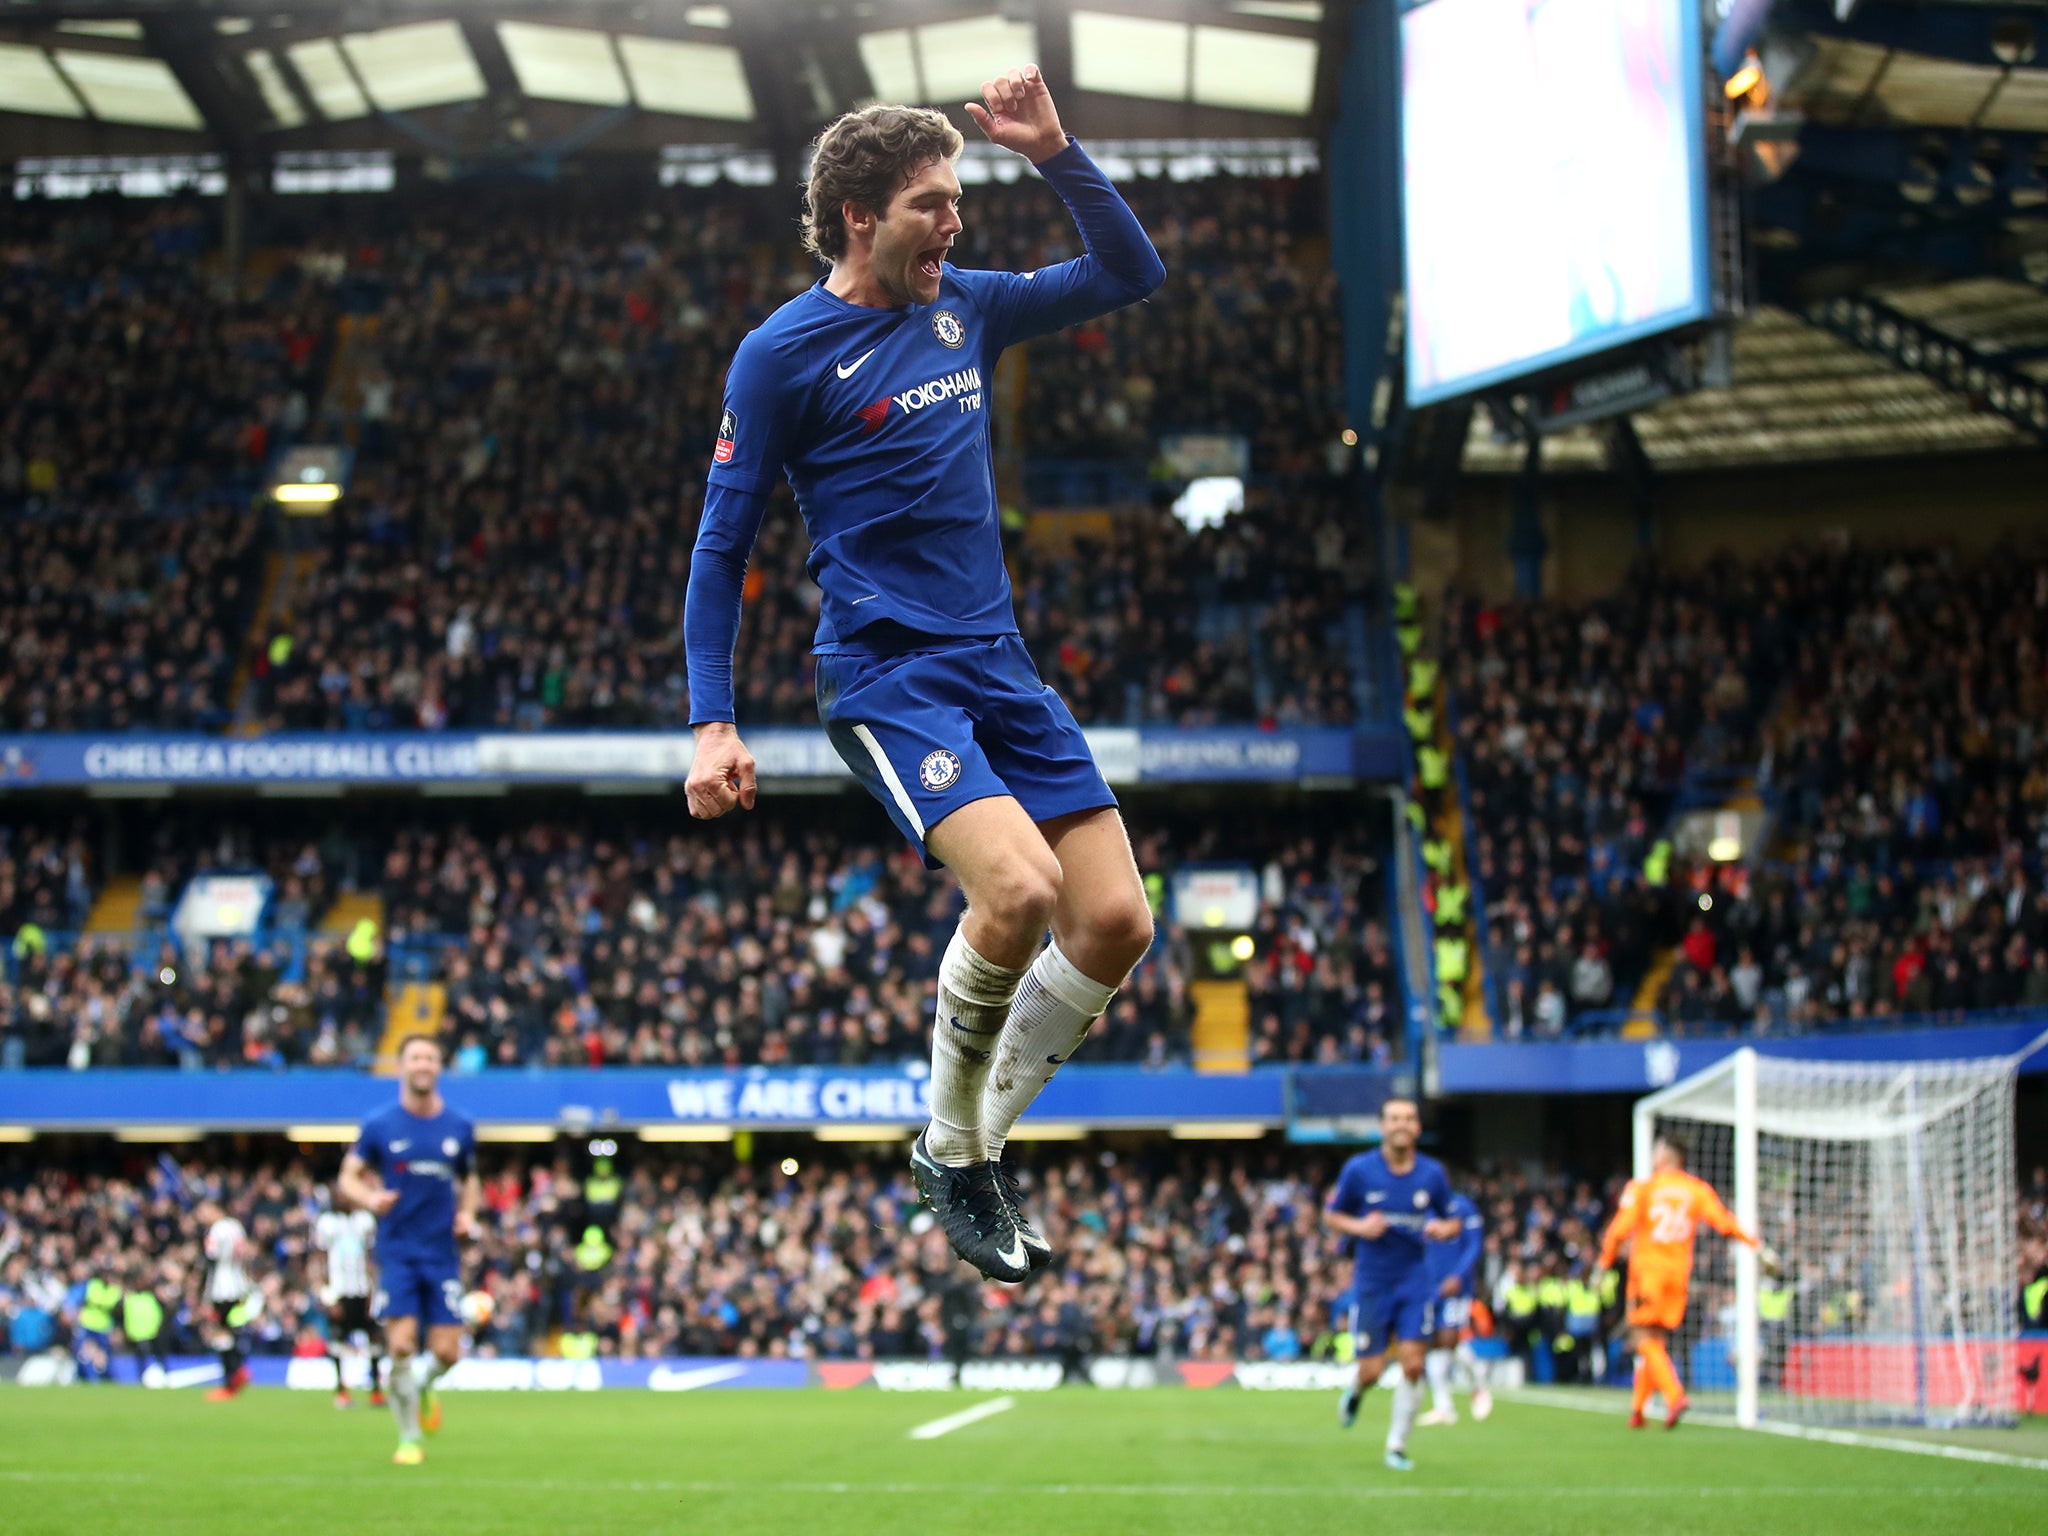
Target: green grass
column 109, row 1462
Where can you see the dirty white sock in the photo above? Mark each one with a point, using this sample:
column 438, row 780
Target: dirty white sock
column 974, row 1004
column 1057, row 1004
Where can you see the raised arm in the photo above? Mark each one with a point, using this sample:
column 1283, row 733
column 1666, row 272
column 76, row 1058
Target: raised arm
column 1121, row 266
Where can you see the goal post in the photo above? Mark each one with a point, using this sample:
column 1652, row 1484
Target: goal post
column 1888, row 1189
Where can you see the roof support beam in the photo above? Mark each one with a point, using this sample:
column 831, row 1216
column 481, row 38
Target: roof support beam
column 185, row 44
column 1963, row 34
column 1987, row 383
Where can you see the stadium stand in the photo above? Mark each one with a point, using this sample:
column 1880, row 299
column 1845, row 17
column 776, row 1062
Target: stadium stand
column 586, row 942
column 531, row 400
column 1197, row 1253
column 1875, row 701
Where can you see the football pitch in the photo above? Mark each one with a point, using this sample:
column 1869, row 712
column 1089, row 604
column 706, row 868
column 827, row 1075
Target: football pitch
column 114, row 1461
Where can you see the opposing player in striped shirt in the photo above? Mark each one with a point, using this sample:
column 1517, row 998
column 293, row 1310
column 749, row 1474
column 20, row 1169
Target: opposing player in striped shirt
column 344, row 1239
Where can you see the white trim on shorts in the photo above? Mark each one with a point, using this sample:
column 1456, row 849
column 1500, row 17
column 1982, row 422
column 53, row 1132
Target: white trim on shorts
column 888, row 772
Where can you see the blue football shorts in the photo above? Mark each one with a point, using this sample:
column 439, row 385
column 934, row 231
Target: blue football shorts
column 1379, row 1318
column 930, row 730
column 428, row 1289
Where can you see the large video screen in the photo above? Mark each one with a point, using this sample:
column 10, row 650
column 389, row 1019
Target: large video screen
column 1553, row 183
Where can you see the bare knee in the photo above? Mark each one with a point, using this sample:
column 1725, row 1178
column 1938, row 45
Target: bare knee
column 1124, row 931
column 1018, row 901
column 447, row 1351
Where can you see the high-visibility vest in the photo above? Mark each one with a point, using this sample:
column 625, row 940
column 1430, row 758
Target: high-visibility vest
column 1581, row 1300
column 1774, row 1303
column 1432, row 767
column 594, row 1252
column 1421, row 721
column 96, row 1312
column 142, row 1316
column 1452, row 900
column 602, row 1190
column 1404, row 600
column 578, row 1346
column 1610, row 1287
column 1521, row 1300
column 1408, row 637
column 1657, row 867
column 1550, row 1292
column 2034, row 1299
column 1422, row 673
column 362, row 941
column 1436, row 854
column 1452, row 958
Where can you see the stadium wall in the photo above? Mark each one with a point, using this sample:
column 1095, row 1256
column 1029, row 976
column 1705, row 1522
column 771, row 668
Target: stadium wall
column 1318, row 1101
column 315, row 1373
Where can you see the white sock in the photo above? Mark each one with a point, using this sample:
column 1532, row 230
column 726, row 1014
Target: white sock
column 1406, row 1395
column 1475, row 1365
column 1056, row 1006
column 430, row 1368
column 1437, row 1365
column 974, row 1003
column 404, row 1393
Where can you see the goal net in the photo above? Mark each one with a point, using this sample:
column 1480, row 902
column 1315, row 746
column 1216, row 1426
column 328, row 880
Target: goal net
column 1888, row 1191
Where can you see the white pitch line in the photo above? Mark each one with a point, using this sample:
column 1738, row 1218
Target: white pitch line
column 1937, row 1448
column 963, row 1418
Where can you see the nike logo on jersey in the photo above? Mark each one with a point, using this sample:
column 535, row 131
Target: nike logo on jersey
column 1374, row 1198
column 400, row 1145
column 848, row 370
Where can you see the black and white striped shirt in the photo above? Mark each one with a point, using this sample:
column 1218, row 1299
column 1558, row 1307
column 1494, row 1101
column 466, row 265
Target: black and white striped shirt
column 345, row 1237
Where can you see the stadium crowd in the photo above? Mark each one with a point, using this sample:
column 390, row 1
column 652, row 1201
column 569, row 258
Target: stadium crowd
column 532, row 398
column 1180, row 1252
column 1166, row 1250
column 1886, row 699
column 792, row 940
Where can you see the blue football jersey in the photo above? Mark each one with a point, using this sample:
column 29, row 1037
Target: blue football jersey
column 424, row 1159
column 1397, row 1257
column 1459, row 1255
column 879, row 418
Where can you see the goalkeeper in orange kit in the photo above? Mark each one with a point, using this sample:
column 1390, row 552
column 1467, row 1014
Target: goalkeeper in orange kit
column 1658, row 1217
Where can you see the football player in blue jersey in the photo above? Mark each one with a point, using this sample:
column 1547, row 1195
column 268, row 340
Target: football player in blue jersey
column 425, row 1195
column 870, row 392
column 1393, row 1202
column 1454, row 1272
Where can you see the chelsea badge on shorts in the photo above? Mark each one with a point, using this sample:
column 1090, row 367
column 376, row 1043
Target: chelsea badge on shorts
column 947, row 327
column 938, row 770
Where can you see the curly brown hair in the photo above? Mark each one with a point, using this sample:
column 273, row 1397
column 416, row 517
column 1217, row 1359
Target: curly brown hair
column 864, row 158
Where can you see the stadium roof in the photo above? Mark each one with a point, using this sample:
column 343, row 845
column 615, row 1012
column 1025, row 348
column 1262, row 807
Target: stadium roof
column 499, row 78
column 1901, row 261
